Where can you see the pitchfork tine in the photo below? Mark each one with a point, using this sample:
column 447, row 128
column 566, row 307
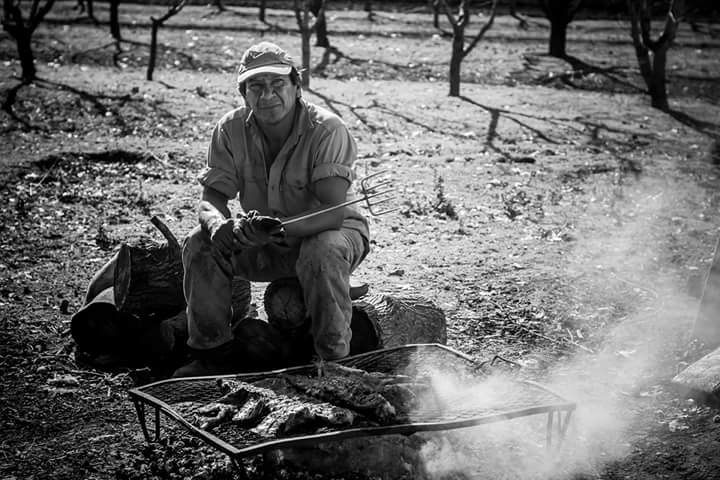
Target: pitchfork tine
column 372, row 191
column 367, row 192
column 378, row 185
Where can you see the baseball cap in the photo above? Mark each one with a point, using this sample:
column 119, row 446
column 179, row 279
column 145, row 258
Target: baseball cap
column 264, row 57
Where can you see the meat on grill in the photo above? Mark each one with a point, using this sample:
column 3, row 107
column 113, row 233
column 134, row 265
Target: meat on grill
column 380, row 397
column 346, row 392
column 270, row 412
column 288, row 404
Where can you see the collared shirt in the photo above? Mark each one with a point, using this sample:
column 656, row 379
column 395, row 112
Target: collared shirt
column 319, row 146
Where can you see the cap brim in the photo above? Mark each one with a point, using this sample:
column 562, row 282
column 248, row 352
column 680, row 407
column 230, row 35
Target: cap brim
column 278, row 69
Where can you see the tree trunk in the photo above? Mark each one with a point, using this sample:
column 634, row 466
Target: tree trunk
column 652, row 55
column 261, row 14
column 456, row 59
column 156, row 24
column 115, row 20
column 321, row 35
column 91, row 11
column 305, row 43
column 153, row 49
column 558, row 38
column 23, row 37
column 658, row 85
column 435, row 4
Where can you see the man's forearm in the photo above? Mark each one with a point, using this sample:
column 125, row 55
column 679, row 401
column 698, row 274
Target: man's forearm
column 213, row 209
column 327, row 221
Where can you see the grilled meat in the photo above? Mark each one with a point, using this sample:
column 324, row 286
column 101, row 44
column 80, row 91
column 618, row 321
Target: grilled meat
column 272, row 408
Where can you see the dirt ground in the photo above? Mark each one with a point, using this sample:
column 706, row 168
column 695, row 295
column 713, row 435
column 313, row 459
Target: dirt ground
column 557, row 220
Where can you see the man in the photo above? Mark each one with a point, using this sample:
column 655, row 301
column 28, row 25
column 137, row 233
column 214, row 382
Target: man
column 282, row 157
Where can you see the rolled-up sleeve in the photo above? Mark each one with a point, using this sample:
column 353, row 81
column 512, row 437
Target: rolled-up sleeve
column 219, row 173
column 335, row 153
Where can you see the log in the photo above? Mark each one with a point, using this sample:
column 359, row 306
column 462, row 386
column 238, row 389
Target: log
column 148, row 276
column 403, row 320
column 107, row 337
column 702, row 379
column 379, row 321
column 707, row 322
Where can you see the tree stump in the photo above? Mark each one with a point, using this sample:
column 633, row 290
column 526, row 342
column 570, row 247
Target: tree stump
column 380, row 321
column 403, row 320
column 702, row 379
column 148, row 276
column 707, row 322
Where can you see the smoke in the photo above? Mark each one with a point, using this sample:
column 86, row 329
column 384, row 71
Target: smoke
column 607, row 388
column 613, row 387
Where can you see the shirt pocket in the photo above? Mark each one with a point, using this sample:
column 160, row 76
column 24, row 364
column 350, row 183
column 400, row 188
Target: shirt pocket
column 297, row 194
column 254, row 193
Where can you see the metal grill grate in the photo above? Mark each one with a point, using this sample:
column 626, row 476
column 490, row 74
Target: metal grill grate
column 468, row 408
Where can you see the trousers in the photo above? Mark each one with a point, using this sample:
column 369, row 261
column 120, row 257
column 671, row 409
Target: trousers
column 322, row 263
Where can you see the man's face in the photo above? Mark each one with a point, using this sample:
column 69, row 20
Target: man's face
column 271, row 96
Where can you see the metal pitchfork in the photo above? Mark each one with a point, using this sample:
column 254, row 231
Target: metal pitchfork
column 374, row 191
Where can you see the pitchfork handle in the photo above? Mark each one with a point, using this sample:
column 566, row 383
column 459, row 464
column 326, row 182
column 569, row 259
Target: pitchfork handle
column 320, row 212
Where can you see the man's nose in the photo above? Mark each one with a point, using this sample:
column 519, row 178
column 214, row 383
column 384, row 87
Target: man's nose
column 267, row 91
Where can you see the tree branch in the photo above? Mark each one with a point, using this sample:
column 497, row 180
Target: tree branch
column 451, row 17
column 483, row 30
column 646, row 26
column 297, row 14
column 173, row 10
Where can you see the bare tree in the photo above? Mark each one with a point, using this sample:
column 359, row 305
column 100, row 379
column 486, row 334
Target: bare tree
column 261, row 13
column 435, row 7
column 560, row 13
column 220, row 5
column 369, row 9
column 317, row 7
column 87, row 6
column 115, row 20
column 156, row 24
column 522, row 23
column 302, row 15
column 22, row 29
column 652, row 54
column 459, row 20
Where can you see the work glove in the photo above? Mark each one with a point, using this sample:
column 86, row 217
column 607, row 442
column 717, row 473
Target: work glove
column 255, row 230
column 223, row 243
column 222, row 236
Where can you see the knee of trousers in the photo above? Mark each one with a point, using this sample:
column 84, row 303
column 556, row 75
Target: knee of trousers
column 196, row 244
column 325, row 248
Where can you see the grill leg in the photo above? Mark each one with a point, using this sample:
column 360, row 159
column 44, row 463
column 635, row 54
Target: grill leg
column 157, row 424
column 549, row 430
column 140, row 409
column 563, row 425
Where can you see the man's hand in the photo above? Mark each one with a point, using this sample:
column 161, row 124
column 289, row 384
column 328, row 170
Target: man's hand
column 255, row 230
column 222, row 237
